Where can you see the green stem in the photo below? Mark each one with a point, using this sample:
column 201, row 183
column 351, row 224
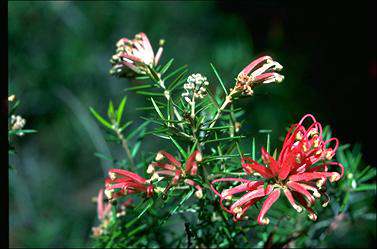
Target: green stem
column 125, row 146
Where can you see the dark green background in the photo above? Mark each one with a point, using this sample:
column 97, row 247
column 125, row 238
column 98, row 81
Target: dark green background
column 58, row 63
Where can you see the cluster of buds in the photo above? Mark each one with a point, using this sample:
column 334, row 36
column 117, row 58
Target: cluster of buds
column 173, row 168
column 17, row 123
column 104, row 211
column 134, row 57
column 260, row 71
column 126, row 183
column 195, row 87
column 296, row 173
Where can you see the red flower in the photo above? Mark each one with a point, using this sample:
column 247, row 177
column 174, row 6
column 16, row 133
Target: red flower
column 127, row 183
column 174, row 168
column 295, row 172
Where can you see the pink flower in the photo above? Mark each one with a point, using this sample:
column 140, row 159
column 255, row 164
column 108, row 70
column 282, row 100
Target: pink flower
column 133, row 57
column 103, row 210
column 300, row 171
column 260, row 71
column 173, row 168
column 127, row 183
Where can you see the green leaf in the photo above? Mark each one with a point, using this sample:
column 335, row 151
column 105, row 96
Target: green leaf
column 185, row 198
column 20, row 132
column 110, row 110
column 137, row 130
column 125, row 125
column 149, row 93
column 223, row 139
column 218, row 77
column 174, row 73
column 157, row 109
column 120, row 109
column 148, row 108
column 100, row 119
column 178, row 81
column 371, row 173
column 211, row 97
column 366, row 187
column 99, row 155
column 166, row 67
column 183, row 153
column 144, row 86
column 345, row 202
column 136, row 146
column 153, row 74
column 217, row 128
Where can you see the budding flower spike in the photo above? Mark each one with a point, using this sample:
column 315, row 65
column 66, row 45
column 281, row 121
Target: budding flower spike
column 133, row 57
column 260, row 71
column 127, row 183
column 300, row 171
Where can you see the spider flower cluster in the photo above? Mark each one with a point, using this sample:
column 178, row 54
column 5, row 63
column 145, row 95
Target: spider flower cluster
column 133, row 57
column 300, row 171
column 121, row 183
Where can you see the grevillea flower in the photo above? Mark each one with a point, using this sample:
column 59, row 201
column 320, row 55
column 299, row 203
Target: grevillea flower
column 260, row 71
column 104, row 213
column 133, row 57
column 127, row 183
column 300, row 172
column 174, row 169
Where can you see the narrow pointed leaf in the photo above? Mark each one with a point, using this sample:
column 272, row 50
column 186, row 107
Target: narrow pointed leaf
column 137, row 130
column 157, row 109
column 143, row 86
column 120, row 109
column 218, row 77
column 100, row 119
column 166, row 67
column 183, row 153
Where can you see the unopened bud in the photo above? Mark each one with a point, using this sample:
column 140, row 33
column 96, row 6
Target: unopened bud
column 12, row 98
column 198, row 157
column 312, row 216
column 199, row 194
column 150, row 169
column 109, row 193
column 159, row 156
column 112, row 176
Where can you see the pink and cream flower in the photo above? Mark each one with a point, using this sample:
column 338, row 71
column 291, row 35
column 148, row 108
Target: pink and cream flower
column 300, row 171
column 133, row 57
column 173, row 168
column 262, row 70
column 126, row 183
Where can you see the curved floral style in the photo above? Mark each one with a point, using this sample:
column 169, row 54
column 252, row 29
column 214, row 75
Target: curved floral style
column 133, row 57
column 127, row 183
column 300, row 171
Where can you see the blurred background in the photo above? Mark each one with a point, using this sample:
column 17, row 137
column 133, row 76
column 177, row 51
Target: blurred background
column 58, row 63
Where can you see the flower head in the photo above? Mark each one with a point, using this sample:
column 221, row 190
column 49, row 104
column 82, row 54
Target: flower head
column 127, row 183
column 17, row 123
column 299, row 172
column 260, row 71
column 173, row 168
column 195, row 87
column 133, row 57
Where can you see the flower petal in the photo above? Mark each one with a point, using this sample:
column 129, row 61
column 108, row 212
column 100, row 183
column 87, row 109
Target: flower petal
column 271, row 199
